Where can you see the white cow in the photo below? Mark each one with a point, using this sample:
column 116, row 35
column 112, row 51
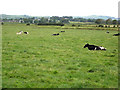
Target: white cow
column 18, row 33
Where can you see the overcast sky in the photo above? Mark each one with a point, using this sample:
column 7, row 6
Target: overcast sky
column 60, row 7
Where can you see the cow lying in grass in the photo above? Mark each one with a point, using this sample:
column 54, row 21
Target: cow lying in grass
column 93, row 47
column 18, row 33
column 107, row 32
column 62, row 31
column 116, row 34
column 56, row 34
column 26, row 33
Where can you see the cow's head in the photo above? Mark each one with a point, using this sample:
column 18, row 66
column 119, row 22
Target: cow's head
column 86, row 45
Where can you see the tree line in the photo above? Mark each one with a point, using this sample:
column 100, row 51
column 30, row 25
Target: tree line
column 62, row 20
column 108, row 21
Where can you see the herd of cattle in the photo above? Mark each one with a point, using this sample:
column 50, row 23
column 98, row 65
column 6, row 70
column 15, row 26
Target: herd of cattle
column 57, row 33
column 94, row 47
column 90, row 47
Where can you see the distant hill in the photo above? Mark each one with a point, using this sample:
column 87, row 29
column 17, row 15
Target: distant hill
column 14, row 16
column 18, row 16
column 98, row 17
column 27, row 16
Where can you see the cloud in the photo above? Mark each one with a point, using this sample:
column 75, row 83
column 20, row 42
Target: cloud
column 60, row 7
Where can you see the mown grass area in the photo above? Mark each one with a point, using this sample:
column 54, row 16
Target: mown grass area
column 83, row 23
column 40, row 60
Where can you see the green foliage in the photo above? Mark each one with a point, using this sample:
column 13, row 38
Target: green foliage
column 99, row 21
column 40, row 60
column 115, row 22
column 63, row 20
column 109, row 21
column 55, row 19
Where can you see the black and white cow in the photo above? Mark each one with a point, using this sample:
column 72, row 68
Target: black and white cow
column 93, row 47
column 26, row 33
column 107, row 32
column 116, row 34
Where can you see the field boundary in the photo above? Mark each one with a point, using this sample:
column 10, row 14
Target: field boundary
column 92, row 28
column 0, row 54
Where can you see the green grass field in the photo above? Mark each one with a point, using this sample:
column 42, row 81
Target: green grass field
column 40, row 60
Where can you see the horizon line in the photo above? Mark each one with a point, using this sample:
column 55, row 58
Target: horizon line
column 59, row 15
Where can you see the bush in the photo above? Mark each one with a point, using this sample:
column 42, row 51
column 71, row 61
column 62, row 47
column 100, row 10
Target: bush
column 2, row 23
column 56, row 24
column 73, row 24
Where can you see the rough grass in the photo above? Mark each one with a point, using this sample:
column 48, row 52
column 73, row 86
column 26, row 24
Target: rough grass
column 40, row 60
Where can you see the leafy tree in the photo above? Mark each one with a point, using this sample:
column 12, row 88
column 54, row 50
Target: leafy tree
column 109, row 21
column 55, row 17
column 36, row 21
column 52, row 21
column 64, row 20
column 114, row 22
column 91, row 20
column 119, row 22
column 99, row 21
column 43, row 20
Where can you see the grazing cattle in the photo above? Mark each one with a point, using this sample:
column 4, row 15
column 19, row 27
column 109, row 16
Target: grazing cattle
column 114, row 26
column 107, row 32
column 27, row 24
column 26, row 33
column 62, row 31
column 62, row 25
column 116, row 34
column 101, row 26
column 93, row 47
column 106, row 26
column 18, row 33
column 56, row 34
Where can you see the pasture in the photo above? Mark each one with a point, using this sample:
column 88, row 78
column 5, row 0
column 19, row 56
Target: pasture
column 40, row 60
